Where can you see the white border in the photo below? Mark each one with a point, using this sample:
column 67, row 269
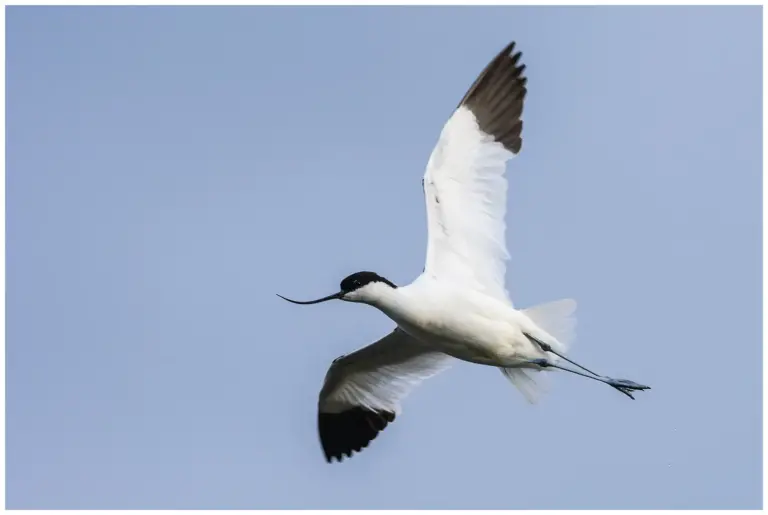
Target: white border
column 395, row 2
column 350, row 3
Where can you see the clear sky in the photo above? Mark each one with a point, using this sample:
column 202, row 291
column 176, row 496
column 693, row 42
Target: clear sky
column 169, row 170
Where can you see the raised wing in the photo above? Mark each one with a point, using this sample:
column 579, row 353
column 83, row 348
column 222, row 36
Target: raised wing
column 363, row 390
column 464, row 184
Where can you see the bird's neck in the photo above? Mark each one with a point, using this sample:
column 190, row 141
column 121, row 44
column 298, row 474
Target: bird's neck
column 381, row 295
column 393, row 302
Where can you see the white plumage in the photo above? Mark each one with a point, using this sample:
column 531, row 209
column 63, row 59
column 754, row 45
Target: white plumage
column 458, row 308
column 466, row 196
column 378, row 376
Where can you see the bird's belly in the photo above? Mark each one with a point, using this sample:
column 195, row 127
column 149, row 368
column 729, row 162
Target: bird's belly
column 462, row 324
column 467, row 340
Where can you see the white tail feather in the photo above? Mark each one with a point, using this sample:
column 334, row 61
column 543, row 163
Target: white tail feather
column 532, row 389
column 558, row 321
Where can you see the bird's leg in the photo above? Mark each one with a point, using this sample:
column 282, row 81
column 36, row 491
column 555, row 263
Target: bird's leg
column 548, row 348
column 619, row 384
column 623, row 385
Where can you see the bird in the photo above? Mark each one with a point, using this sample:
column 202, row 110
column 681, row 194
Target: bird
column 458, row 308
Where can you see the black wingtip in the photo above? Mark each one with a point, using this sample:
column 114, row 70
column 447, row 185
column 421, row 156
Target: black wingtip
column 496, row 98
column 352, row 430
column 501, row 55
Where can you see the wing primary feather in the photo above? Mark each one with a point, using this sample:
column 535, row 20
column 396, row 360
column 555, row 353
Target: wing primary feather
column 496, row 99
column 507, row 49
column 350, row 431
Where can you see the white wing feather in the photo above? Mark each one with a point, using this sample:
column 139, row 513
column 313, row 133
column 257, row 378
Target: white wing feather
column 379, row 376
column 464, row 184
column 466, row 196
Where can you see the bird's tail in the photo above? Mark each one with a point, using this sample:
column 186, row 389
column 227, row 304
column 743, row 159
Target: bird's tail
column 558, row 320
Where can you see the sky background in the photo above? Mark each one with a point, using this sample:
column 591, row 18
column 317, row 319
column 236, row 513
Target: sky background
column 170, row 169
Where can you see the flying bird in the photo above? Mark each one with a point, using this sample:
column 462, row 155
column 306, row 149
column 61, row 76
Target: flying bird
column 458, row 308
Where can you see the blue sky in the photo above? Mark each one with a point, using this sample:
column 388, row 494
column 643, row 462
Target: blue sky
column 170, row 169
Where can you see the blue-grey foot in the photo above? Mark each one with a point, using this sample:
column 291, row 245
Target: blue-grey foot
column 626, row 384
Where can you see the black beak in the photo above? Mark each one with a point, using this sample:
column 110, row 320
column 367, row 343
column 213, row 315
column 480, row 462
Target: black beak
column 329, row 297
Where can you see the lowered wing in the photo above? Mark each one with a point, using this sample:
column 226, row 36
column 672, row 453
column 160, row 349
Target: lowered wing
column 363, row 390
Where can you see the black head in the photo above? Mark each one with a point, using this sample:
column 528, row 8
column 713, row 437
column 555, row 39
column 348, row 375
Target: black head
column 360, row 279
column 348, row 285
